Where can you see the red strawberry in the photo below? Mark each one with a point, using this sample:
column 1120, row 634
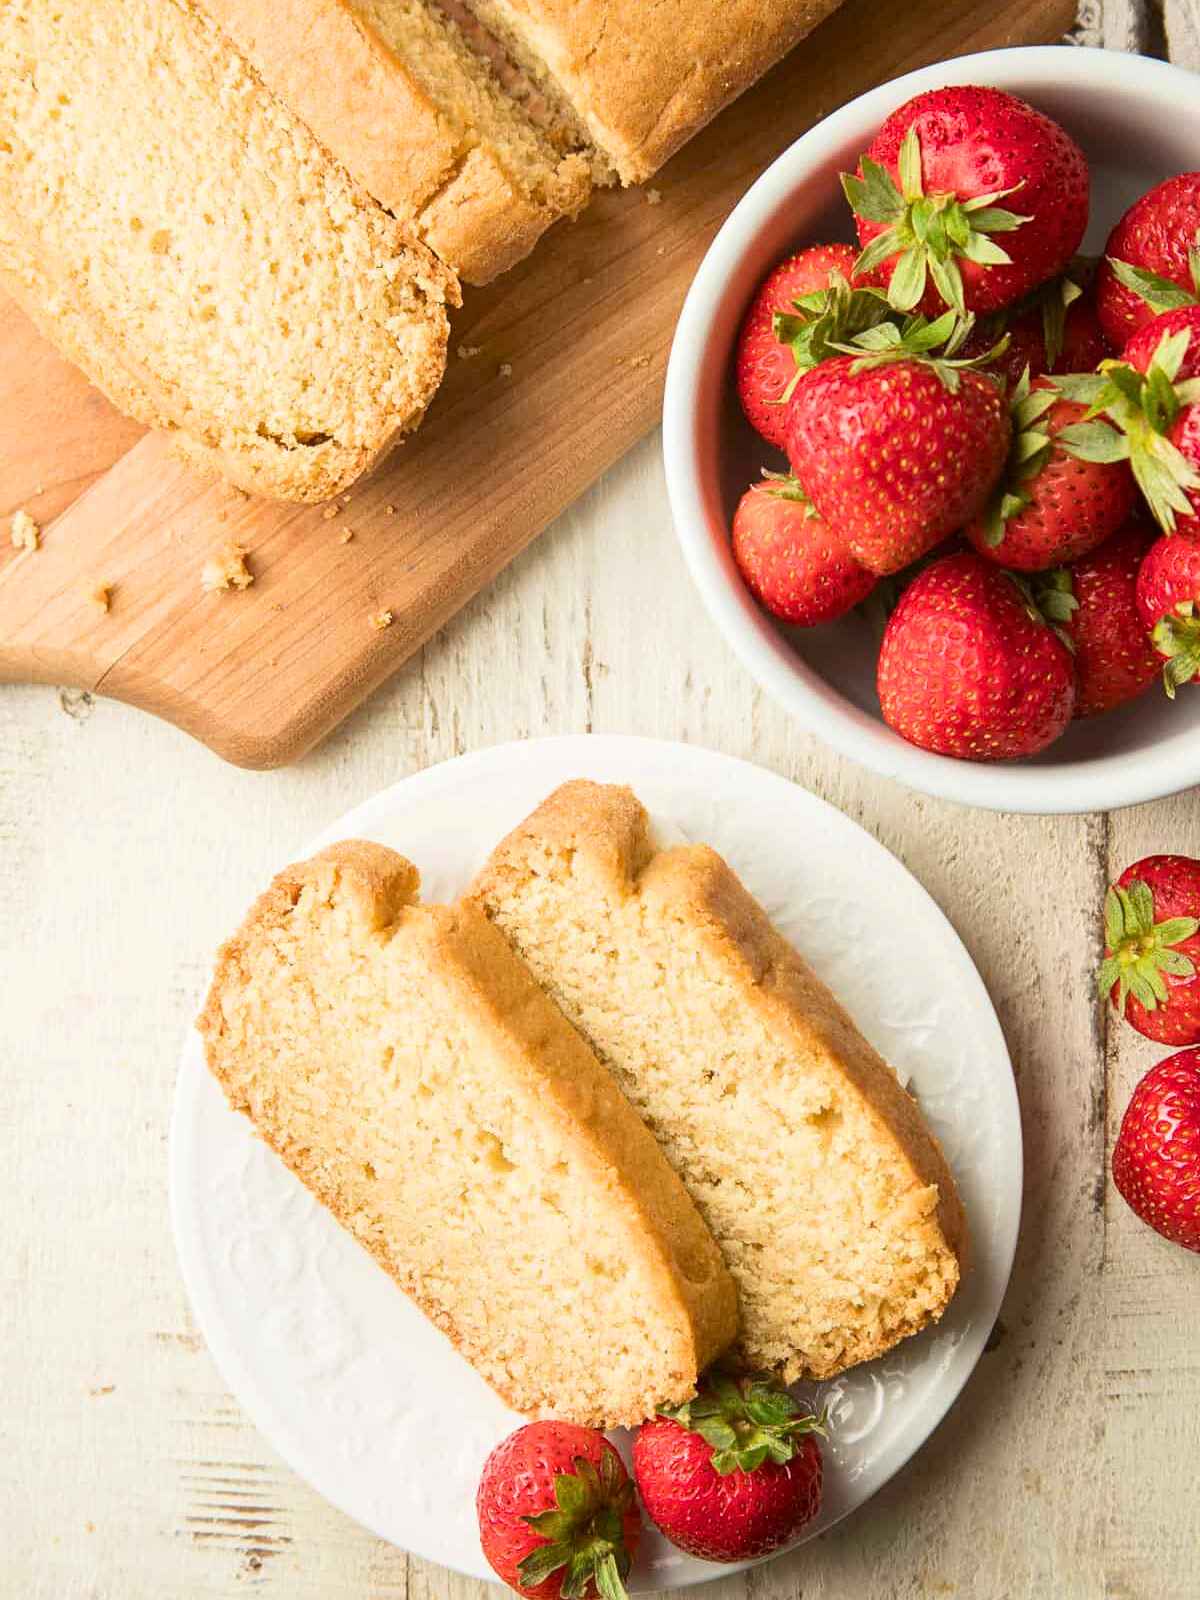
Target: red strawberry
column 927, row 195
column 764, row 364
column 557, row 1514
column 1168, row 601
column 1067, row 487
column 735, row 1473
column 1156, row 1162
column 1151, row 396
column 1152, row 945
column 969, row 667
column 896, row 451
column 1096, row 603
column 792, row 561
column 1058, row 332
column 1150, row 262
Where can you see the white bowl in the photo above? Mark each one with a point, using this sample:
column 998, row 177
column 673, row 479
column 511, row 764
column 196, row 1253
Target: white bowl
column 1139, row 122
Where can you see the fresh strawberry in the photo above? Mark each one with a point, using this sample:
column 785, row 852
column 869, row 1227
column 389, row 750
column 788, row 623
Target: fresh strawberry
column 1151, row 261
column 1095, row 601
column 734, row 1473
column 1151, row 947
column 1067, row 486
column 792, row 561
column 764, row 365
column 1151, row 396
column 557, row 1514
column 897, row 448
column 927, row 192
column 969, row 667
column 1156, row 1162
column 1168, row 601
column 1055, row 330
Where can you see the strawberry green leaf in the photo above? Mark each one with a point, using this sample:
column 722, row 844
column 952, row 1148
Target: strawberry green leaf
column 908, row 280
column 874, row 196
column 1085, row 388
column 1160, row 294
column 1093, row 441
column 539, row 1564
column 909, row 165
column 979, row 247
column 948, row 279
column 1056, row 596
column 881, row 248
column 1055, row 305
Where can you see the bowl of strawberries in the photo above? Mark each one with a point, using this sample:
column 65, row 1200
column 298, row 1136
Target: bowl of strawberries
column 932, row 430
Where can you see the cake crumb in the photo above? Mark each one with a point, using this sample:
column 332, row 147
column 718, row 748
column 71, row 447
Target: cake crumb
column 332, row 511
column 468, row 352
column 506, row 369
column 25, row 531
column 345, row 536
column 381, row 620
column 661, row 251
column 345, row 499
column 226, row 569
column 100, row 594
column 389, row 511
column 639, row 361
column 654, row 197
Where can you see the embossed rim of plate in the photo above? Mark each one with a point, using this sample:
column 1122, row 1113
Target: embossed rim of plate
column 1137, row 93
column 628, row 759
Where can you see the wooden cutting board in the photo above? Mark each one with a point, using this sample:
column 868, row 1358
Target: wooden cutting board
column 555, row 371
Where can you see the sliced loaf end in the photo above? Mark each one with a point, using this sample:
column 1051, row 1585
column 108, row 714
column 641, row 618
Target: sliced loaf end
column 405, row 1065
column 235, row 288
column 828, row 1194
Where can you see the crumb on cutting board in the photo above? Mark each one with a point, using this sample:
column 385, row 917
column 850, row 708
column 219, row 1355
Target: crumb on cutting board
column 639, row 361
column 468, row 352
column 506, row 369
column 26, row 534
column 100, row 594
column 382, row 619
column 389, row 511
column 332, row 510
column 226, row 569
column 654, row 197
column 345, row 536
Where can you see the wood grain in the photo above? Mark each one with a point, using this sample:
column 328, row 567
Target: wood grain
column 126, row 853
column 585, row 326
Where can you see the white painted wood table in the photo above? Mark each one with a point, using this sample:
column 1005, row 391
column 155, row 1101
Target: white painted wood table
column 127, row 1472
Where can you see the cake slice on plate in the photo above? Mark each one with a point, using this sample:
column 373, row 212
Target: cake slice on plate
column 405, row 1065
column 814, row 1168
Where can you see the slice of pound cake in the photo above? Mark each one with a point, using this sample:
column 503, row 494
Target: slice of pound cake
column 828, row 1195
column 405, row 1065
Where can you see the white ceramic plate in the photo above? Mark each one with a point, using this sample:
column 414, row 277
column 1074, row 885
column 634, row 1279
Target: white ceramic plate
column 363, row 1397
column 1138, row 122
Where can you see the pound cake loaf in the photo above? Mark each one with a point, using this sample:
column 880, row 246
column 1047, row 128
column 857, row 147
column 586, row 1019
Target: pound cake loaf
column 831, row 1201
column 184, row 239
column 639, row 80
column 404, row 1064
column 393, row 89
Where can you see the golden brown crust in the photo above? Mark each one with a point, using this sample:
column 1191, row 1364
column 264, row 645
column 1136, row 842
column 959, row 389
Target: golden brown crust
column 645, row 79
column 527, row 1039
column 601, row 833
column 359, row 97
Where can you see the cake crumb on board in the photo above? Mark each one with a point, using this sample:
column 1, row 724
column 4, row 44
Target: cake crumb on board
column 26, row 534
column 100, row 594
column 226, row 569
column 382, row 619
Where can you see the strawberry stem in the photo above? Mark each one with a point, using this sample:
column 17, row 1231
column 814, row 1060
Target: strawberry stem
column 1141, row 951
column 929, row 234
